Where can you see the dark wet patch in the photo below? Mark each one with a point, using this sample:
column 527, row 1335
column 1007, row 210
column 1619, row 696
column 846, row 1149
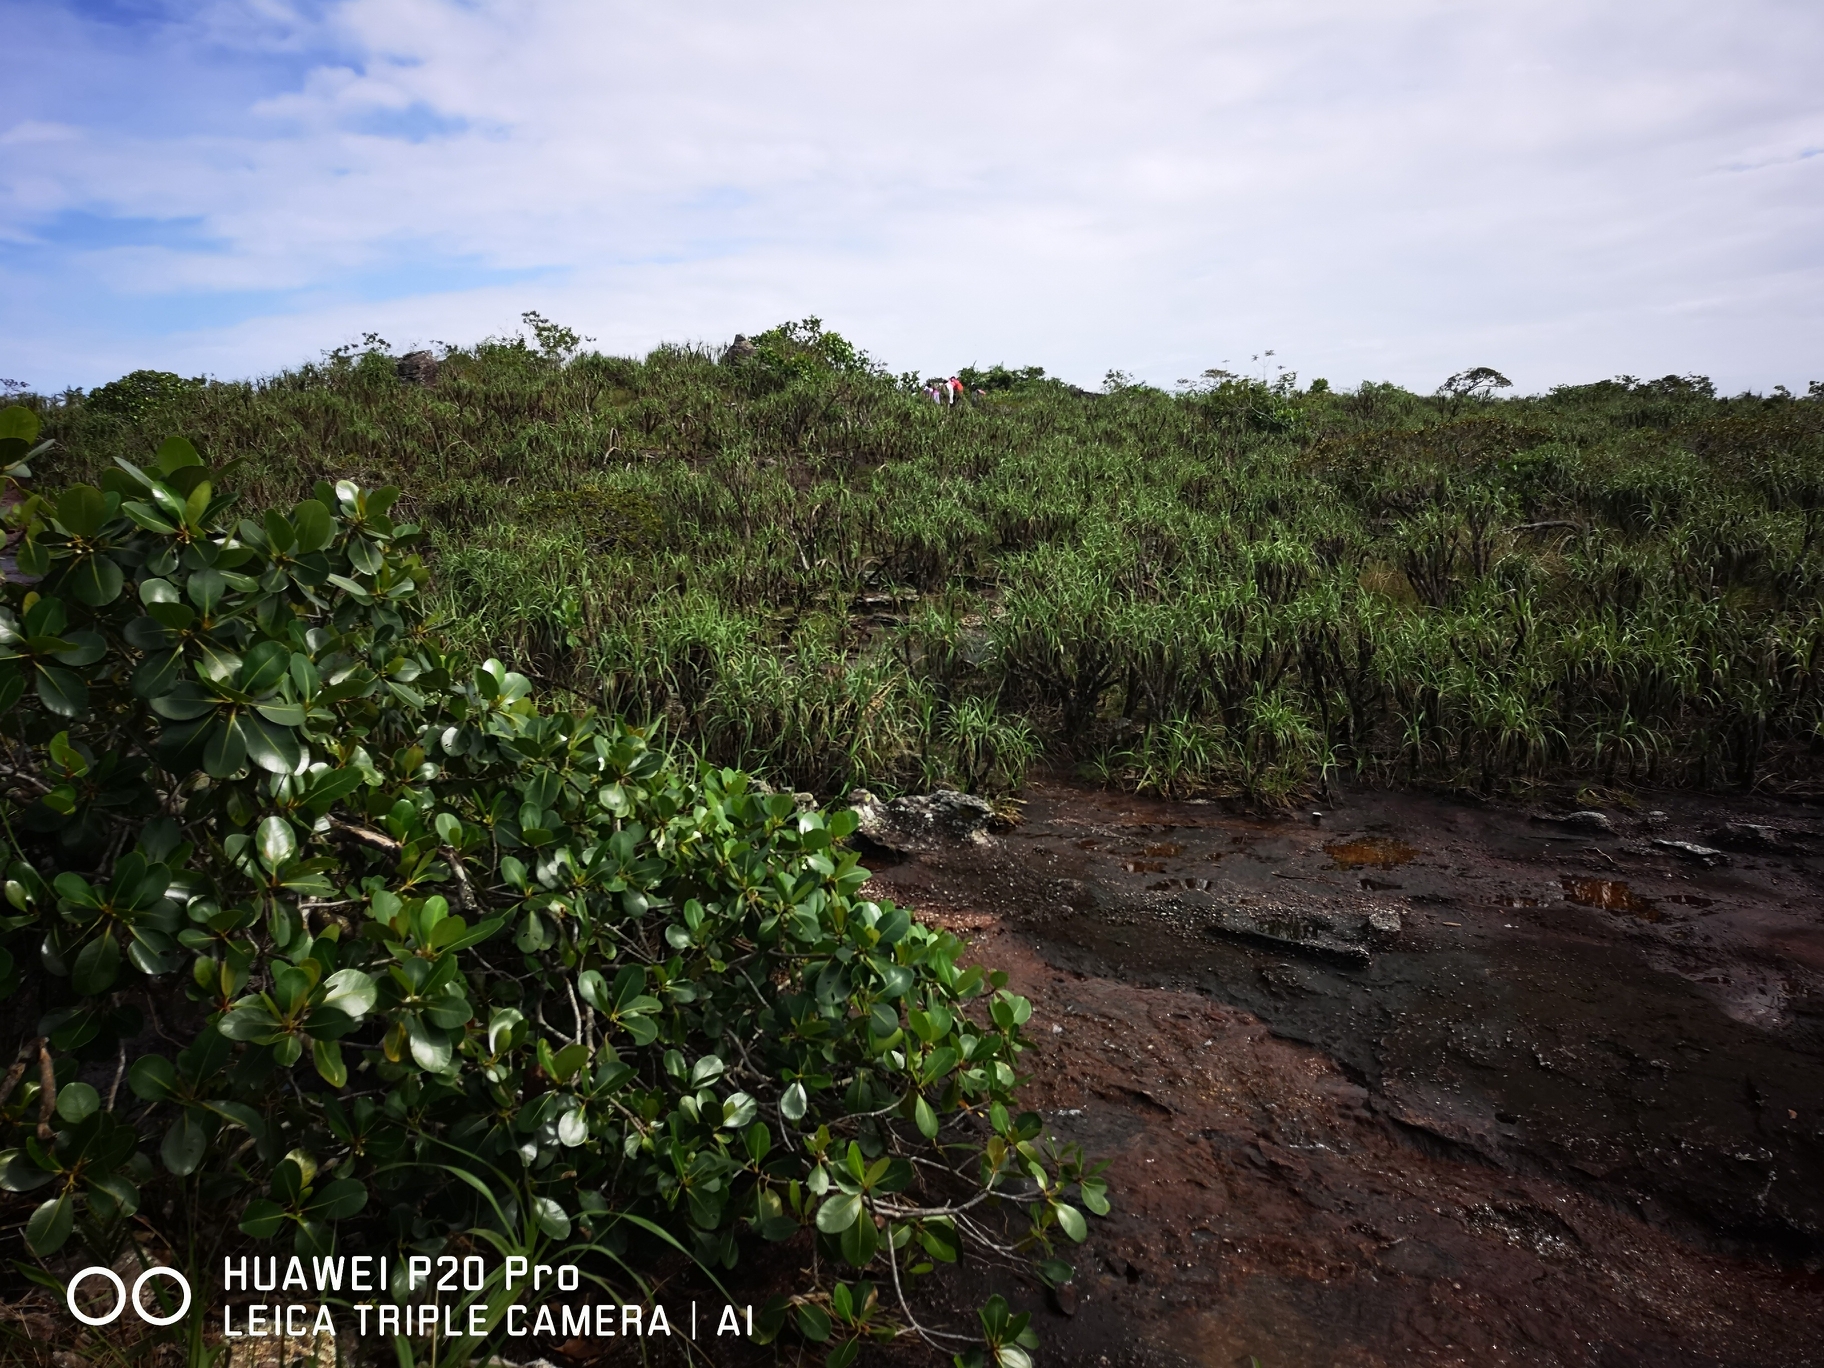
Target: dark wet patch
column 1611, row 895
column 1579, row 1091
column 1381, row 851
column 1143, row 866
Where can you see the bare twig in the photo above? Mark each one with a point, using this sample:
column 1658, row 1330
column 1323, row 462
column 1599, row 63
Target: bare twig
column 120, row 1068
column 47, row 1091
column 576, row 1011
column 930, row 1337
column 464, row 892
column 366, row 836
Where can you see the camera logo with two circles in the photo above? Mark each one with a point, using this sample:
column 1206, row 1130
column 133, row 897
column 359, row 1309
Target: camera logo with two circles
column 121, row 1297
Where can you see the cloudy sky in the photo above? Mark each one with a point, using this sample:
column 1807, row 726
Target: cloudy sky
column 1375, row 189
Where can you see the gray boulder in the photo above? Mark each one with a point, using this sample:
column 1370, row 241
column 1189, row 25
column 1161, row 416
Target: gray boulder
column 923, row 821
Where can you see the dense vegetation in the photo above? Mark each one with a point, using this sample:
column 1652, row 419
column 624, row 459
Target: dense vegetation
column 797, row 563
column 356, row 792
column 391, row 954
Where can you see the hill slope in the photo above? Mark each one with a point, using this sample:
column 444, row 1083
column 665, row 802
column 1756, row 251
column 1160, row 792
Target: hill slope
column 805, row 564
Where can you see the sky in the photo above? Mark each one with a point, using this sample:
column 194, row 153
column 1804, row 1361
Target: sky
column 1373, row 189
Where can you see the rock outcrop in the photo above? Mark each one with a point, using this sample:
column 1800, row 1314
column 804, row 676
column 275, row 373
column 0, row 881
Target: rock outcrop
column 417, row 368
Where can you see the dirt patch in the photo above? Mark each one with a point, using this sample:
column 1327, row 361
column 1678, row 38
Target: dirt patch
column 1522, row 1130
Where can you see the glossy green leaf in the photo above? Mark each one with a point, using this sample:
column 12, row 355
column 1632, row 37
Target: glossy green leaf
column 813, row 1322
column 430, row 1046
column 184, row 1145
column 793, row 1103
column 62, row 691
column 262, row 1219
column 924, row 1118
column 339, row 1200
column 95, row 580
column 18, row 422
column 351, row 992
column 158, row 674
column 97, row 965
column 272, row 747
column 81, row 509
column 50, row 1225
column 276, row 842
column 77, row 1102
column 225, row 748
column 838, row 1213
column 551, row 1218
column 174, row 454
column 312, row 523
column 860, row 1241
column 327, row 1056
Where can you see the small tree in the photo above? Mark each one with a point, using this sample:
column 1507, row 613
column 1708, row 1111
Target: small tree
column 1478, row 382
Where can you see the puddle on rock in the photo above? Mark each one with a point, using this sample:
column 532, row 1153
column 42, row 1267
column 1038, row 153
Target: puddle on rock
column 1143, row 866
column 1380, row 885
column 1381, row 851
column 1611, row 895
column 1516, row 901
column 1195, row 885
column 1167, row 849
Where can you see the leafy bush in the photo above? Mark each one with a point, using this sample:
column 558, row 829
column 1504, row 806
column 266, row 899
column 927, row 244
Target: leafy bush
column 998, row 378
column 456, row 969
column 806, row 348
column 141, row 392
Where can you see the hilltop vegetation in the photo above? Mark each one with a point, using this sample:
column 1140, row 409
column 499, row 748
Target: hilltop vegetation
column 800, row 564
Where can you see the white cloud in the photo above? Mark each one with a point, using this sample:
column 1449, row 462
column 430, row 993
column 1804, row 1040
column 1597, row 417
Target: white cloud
column 1395, row 188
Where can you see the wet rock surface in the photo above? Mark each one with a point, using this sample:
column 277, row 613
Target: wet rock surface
column 1556, row 1095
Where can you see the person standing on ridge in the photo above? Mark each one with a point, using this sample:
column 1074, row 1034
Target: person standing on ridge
column 956, row 390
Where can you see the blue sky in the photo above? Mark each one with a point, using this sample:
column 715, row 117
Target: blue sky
column 1375, row 189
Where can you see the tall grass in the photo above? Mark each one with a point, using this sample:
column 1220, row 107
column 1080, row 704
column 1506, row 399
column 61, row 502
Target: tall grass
column 798, row 563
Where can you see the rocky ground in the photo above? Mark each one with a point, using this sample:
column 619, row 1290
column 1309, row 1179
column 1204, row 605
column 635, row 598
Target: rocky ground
column 1420, row 1080
column 1410, row 1079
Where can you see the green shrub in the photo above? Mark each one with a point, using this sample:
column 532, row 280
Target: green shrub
column 141, row 392
column 456, row 969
